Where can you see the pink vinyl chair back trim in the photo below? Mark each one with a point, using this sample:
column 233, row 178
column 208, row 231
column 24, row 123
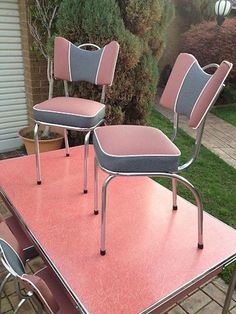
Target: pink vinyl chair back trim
column 210, row 92
column 43, row 293
column 61, row 59
column 181, row 67
column 107, row 64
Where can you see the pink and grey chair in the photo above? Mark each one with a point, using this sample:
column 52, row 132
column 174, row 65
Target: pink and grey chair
column 189, row 91
column 42, row 288
column 10, row 230
column 72, row 63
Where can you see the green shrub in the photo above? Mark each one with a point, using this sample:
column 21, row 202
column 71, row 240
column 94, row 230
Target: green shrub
column 139, row 27
column 210, row 43
column 196, row 11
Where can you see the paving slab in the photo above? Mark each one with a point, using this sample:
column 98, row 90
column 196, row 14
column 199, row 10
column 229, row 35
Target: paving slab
column 216, row 294
column 212, row 307
column 195, row 302
column 177, row 310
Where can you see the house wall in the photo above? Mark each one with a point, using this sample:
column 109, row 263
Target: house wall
column 13, row 111
column 35, row 66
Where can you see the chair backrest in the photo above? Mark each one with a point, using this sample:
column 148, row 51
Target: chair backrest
column 41, row 291
column 72, row 63
column 11, row 251
column 10, row 258
column 191, row 91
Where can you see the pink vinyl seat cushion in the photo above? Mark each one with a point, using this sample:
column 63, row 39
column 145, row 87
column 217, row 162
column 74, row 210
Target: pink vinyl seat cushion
column 70, row 111
column 132, row 148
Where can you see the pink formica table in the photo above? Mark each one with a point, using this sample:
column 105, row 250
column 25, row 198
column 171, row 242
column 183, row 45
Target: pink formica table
column 152, row 257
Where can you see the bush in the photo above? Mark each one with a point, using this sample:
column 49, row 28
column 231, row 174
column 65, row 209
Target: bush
column 196, row 11
column 139, row 27
column 210, row 43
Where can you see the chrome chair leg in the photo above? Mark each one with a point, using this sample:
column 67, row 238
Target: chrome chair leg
column 66, row 143
column 182, row 180
column 86, row 146
column 174, row 194
column 37, row 156
column 2, row 287
column 3, row 283
column 19, row 305
column 230, row 292
column 95, row 186
column 199, row 206
column 103, row 216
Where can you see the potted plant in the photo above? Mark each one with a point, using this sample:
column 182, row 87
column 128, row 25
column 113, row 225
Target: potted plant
column 42, row 15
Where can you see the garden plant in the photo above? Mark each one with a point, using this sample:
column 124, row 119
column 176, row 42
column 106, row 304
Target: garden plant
column 139, row 27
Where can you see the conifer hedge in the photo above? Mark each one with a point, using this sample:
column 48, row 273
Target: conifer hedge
column 196, row 11
column 210, row 43
column 139, row 27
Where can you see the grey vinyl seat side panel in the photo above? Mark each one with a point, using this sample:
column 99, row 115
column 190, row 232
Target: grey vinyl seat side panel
column 135, row 163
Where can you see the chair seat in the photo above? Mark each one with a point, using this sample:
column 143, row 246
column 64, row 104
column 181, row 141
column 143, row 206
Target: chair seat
column 130, row 148
column 70, row 111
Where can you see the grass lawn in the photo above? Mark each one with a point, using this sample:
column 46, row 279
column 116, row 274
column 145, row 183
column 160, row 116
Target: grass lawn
column 209, row 174
column 227, row 113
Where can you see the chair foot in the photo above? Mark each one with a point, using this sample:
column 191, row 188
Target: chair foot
column 39, row 182
column 95, row 212
column 85, row 191
column 175, row 207
column 102, row 252
column 67, row 155
column 200, row 246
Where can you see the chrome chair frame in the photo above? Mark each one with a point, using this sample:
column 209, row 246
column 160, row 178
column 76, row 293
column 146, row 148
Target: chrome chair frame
column 65, row 127
column 11, row 272
column 30, row 251
column 173, row 176
column 29, row 295
column 24, row 296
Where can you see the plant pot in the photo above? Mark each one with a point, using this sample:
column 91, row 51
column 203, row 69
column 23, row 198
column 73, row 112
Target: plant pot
column 44, row 145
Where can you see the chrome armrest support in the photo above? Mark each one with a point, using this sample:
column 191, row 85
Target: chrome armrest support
column 88, row 45
column 66, row 88
column 211, row 65
column 175, row 126
column 196, row 147
column 102, row 99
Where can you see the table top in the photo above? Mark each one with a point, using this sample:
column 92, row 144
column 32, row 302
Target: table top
column 151, row 250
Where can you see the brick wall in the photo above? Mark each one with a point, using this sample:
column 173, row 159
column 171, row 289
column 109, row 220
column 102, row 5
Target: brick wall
column 35, row 66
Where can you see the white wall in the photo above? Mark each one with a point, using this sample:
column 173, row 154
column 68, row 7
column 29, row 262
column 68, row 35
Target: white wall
column 13, row 112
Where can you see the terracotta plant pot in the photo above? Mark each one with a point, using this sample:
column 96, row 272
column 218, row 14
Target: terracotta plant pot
column 44, row 145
